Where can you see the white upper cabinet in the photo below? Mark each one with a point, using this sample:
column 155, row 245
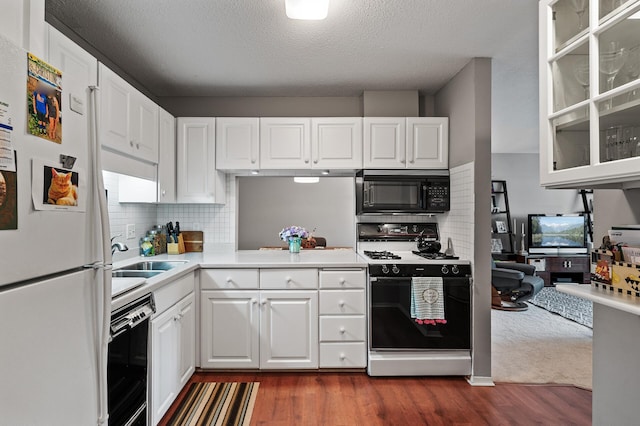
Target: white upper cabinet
column 237, row 144
column 399, row 143
column 197, row 179
column 285, row 143
column 336, row 143
column 427, row 143
column 167, row 158
column 384, row 142
column 129, row 120
column 589, row 94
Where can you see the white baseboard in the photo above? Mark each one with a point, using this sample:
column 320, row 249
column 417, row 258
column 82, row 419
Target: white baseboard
column 480, row 381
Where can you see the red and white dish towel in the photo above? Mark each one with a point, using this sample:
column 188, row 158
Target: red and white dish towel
column 427, row 300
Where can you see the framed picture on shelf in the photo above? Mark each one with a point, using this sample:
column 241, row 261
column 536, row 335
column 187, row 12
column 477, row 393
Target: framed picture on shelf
column 501, row 227
column 496, row 245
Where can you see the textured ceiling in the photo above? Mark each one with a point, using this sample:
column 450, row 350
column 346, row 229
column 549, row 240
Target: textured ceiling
column 250, row 48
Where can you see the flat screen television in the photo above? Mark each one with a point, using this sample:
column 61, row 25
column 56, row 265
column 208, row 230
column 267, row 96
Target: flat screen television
column 557, row 234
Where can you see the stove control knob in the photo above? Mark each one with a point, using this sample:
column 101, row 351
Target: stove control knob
column 455, row 270
column 385, row 269
column 445, row 270
column 395, row 269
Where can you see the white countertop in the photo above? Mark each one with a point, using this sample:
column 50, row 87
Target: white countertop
column 343, row 258
column 608, row 298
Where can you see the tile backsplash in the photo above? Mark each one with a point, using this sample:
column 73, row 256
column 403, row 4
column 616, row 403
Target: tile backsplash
column 217, row 221
column 458, row 224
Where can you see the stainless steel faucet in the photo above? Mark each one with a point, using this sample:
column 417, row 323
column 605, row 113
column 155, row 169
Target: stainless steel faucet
column 117, row 246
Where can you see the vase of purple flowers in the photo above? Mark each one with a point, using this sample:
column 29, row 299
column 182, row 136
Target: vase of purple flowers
column 293, row 236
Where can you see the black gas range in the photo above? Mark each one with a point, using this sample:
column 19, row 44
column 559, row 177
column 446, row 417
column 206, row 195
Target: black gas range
column 390, row 250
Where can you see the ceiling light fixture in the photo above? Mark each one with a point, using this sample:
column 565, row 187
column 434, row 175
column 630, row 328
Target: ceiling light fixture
column 307, row 9
column 303, row 179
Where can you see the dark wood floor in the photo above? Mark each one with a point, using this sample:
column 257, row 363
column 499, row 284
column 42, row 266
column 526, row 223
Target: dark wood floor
column 357, row 399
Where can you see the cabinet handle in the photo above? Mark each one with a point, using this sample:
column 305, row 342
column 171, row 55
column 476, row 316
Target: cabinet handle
column 131, row 143
column 341, row 303
column 342, row 330
column 288, row 280
column 342, row 281
column 342, row 357
column 137, row 146
column 263, row 302
column 229, row 280
column 254, row 301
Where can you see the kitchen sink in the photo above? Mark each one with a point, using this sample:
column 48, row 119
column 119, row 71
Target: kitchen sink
column 121, row 273
column 153, row 265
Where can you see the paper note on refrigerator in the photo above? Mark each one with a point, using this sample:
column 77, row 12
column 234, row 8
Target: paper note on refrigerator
column 7, row 158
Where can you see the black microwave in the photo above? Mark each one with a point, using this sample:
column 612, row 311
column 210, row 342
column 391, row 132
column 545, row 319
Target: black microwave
column 402, row 191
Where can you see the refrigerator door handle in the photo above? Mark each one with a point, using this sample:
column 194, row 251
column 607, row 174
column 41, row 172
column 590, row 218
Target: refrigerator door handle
column 105, row 248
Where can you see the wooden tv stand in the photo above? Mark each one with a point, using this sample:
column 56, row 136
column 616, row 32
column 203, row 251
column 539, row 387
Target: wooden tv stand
column 557, row 268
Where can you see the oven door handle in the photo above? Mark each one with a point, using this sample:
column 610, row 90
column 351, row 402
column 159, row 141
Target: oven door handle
column 382, row 279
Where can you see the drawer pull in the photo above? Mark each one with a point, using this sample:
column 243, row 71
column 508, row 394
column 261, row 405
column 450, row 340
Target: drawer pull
column 254, row 301
column 342, row 357
column 264, row 302
column 288, row 279
column 342, row 281
column 229, row 280
column 342, row 330
column 341, row 303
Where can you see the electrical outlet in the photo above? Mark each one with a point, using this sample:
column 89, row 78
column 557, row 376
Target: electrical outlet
column 131, row 231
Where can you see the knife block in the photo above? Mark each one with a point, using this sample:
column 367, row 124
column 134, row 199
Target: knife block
column 176, row 248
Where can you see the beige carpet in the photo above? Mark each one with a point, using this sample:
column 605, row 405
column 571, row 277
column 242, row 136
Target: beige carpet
column 537, row 346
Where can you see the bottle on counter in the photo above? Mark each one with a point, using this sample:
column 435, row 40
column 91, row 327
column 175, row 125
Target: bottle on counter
column 146, row 246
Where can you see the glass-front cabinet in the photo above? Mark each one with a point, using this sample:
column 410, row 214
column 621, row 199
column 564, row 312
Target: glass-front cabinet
column 590, row 93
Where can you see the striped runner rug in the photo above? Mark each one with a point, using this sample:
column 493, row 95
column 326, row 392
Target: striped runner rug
column 216, row 404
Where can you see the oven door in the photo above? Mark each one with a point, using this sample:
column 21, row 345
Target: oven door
column 392, row 328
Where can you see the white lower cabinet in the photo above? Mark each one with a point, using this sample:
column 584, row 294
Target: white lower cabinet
column 289, row 329
column 278, row 319
column 172, row 354
column 173, row 333
column 230, row 329
column 259, row 329
column 343, row 324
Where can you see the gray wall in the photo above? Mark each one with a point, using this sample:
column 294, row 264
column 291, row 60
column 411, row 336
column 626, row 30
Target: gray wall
column 522, row 173
column 207, row 106
column 614, row 207
column 268, row 204
column 466, row 100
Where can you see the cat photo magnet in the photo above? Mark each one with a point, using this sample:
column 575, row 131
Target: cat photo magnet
column 57, row 188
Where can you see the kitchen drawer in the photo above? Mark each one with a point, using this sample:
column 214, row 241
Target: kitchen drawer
column 342, row 302
column 343, row 355
column 343, row 279
column 343, row 328
column 291, row 279
column 170, row 294
column 228, row 279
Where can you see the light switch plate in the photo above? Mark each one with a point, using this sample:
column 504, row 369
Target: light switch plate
column 131, row 231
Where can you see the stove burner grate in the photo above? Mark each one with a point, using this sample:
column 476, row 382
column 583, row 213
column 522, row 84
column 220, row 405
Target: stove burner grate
column 381, row 255
column 434, row 256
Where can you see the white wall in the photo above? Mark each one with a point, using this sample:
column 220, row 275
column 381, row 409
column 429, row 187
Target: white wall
column 268, row 204
column 614, row 207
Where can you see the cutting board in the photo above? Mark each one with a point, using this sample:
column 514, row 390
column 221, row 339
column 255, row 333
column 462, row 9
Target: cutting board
column 193, row 240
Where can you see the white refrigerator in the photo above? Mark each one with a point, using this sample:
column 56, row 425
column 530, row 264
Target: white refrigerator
column 55, row 278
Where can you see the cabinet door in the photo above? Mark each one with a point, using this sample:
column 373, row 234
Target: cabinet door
column 428, row 142
column 197, row 180
column 285, row 143
column 164, row 361
column 144, row 127
column 114, row 111
column 384, row 142
column 336, row 143
column 166, row 158
column 229, row 329
column 186, row 340
column 289, row 329
column 237, row 143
